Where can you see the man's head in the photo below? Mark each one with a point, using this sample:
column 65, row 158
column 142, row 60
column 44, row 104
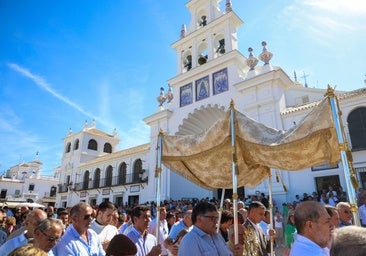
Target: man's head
column 349, row 240
column 333, row 213
column 187, row 218
column 243, row 212
column 105, row 213
column 256, row 212
column 24, row 209
column 47, row 233
column 50, row 211
column 141, row 217
column 64, row 217
column 205, row 217
column 32, row 220
column 267, row 217
column 313, row 222
column 162, row 213
column 344, row 211
column 81, row 216
column 240, row 205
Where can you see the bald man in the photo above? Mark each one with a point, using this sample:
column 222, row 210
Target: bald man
column 32, row 220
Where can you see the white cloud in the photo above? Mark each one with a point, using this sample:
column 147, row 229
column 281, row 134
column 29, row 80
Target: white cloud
column 326, row 22
column 341, row 8
column 43, row 84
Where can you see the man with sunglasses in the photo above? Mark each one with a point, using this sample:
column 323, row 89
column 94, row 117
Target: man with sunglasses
column 204, row 239
column 47, row 234
column 79, row 238
column 31, row 221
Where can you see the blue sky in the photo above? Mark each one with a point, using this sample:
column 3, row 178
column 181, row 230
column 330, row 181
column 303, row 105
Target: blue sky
column 64, row 62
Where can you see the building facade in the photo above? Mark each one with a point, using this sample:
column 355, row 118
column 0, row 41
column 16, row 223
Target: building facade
column 211, row 72
column 24, row 183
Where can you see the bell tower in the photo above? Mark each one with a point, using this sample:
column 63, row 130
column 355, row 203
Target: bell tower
column 210, row 34
column 208, row 66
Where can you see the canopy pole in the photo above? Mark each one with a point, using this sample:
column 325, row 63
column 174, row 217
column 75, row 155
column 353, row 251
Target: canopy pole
column 279, row 179
column 158, row 181
column 221, row 209
column 234, row 171
column 270, row 209
column 346, row 155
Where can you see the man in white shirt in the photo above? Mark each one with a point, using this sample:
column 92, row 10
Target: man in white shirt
column 101, row 224
column 163, row 230
column 314, row 230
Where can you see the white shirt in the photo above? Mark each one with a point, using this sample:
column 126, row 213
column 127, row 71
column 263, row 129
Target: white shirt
column 305, row 247
column 105, row 233
column 163, row 233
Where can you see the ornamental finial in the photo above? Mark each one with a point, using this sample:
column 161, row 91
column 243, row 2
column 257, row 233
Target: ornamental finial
column 266, row 55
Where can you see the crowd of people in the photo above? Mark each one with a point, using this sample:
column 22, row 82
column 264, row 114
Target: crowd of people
column 184, row 228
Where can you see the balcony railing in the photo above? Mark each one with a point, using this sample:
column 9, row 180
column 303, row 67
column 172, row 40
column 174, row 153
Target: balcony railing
column 104, row 183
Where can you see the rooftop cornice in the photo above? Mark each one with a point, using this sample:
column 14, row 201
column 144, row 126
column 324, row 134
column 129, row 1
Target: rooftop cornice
column 341, row 96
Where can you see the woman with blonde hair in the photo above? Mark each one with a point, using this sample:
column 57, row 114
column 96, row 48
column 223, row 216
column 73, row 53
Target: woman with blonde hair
column 28, row 250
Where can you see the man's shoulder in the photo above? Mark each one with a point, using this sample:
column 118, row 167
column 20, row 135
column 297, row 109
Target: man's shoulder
column 305, row 247
column 13, row 243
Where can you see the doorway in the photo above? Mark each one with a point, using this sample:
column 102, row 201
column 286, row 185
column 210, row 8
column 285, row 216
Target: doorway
column 326, row 181
column 133, row 200
column 229, row 193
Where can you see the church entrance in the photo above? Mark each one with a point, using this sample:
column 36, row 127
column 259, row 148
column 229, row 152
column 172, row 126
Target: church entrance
column 326, row 181
column 229, row 194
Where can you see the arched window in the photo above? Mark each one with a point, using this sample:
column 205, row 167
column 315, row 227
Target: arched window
column 122, row 172
column 96, row 178
column 357, row 128
column 93, row 145
column 108, row 176
column 68, row 147
column 76, row 144
column 107, row 148
column 86, row 180
column 137, row 170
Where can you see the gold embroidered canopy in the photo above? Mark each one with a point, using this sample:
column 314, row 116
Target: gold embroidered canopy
column 206, row 158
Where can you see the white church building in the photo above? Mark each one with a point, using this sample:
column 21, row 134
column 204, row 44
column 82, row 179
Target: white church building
column 210, row 73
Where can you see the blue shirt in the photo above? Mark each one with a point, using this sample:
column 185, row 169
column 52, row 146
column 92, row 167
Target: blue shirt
column 3, row 236
column 144, row 243
column 72, row 244
column 13, row 244
column 198, row 242
column 176, row 228
column 305, row 247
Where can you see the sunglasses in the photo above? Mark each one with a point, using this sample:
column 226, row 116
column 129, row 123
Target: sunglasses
column 88, row 216
column 50, row 238
column 347, row 212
